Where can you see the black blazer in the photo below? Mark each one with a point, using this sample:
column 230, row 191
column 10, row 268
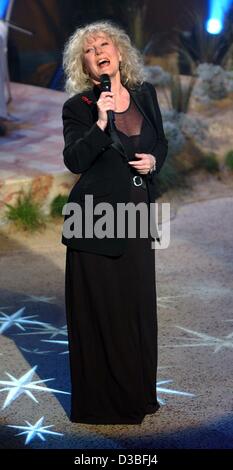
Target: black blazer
column 103, row 165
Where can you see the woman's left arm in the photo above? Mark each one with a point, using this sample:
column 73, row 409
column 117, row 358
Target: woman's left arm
column 151, row 163
column 160, row 148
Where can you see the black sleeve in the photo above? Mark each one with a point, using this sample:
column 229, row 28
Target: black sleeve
column 161, row 145
column 84, row 140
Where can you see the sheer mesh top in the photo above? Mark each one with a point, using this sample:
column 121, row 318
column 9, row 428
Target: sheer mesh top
column 134, row 131
column 130, row 121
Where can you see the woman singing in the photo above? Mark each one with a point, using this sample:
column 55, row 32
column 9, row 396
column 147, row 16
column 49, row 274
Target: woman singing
column 110, row 285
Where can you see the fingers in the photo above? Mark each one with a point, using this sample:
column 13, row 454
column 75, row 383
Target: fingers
column 106, row 101
column 140, row 164
column 106, row 93
column 143, row 164
column 143, row 169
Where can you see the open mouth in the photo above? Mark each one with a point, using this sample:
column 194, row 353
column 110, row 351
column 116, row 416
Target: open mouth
column 103, row 63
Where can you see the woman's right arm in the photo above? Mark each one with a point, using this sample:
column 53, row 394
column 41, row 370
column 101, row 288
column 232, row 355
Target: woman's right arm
column 84, row 141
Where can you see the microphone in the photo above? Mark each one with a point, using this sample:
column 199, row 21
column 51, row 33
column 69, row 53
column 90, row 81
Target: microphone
column 105, row 85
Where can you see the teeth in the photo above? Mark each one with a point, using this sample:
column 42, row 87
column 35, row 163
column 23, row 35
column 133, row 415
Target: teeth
column 102, row 61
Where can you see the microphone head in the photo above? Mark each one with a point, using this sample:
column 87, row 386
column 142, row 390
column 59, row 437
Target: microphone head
column 105, row 82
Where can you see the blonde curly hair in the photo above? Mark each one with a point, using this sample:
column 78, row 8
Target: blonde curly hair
column 131, row 69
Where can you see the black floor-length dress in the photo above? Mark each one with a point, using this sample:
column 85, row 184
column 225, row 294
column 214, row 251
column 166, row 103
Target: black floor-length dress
column 112, row 318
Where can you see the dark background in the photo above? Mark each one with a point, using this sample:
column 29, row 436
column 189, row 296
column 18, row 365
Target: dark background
column 37, row 59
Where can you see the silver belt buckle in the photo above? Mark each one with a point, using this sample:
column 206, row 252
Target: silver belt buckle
column 139, row 182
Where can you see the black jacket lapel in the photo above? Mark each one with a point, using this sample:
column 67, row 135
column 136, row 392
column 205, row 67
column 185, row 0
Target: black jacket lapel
column 143, row 101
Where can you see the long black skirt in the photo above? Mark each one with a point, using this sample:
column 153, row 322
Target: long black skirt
column 112, row 331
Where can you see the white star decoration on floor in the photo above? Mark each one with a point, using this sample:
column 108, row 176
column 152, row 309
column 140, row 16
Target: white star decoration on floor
column 17, row 387
column 34, row 430
column 168, row 391
column 57, row 341
column 16, row 319
column 202, row 339
column 39, row 298
column 47, row 329
column 167, row 300
column 35, row 351
column 203, row 291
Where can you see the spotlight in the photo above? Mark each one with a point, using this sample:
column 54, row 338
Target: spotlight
column 217, row 11
column 214, row 26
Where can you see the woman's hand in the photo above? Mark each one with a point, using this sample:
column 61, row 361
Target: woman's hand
column 145, row 163
column 104, row 104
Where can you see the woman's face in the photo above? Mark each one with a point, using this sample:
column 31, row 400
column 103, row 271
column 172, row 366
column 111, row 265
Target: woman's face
column 100, row 55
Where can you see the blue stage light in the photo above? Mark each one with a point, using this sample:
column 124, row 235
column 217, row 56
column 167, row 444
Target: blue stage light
column 3, row 8
column 214, row 26
column 217, row 10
